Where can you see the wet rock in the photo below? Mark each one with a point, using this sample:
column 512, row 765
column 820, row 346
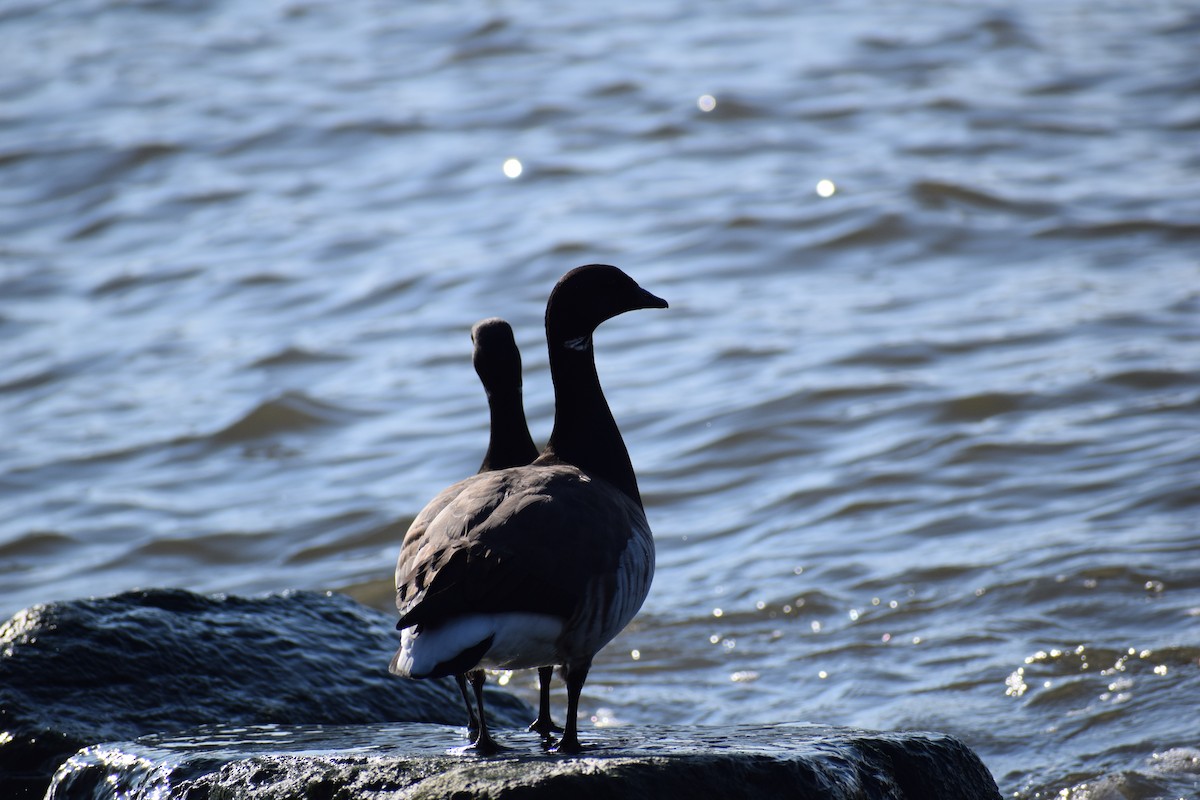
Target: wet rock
column 413, row 761
column 77, row 673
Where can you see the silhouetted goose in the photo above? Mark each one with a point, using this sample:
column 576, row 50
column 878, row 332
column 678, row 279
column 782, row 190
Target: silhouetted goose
column 498, row 363
column 545, row 563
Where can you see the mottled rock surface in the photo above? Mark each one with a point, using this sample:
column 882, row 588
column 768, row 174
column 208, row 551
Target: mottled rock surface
column 77, row 673
column 418, row 761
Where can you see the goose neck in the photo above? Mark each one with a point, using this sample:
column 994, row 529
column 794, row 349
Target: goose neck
column 510, row 444
column 585, row 433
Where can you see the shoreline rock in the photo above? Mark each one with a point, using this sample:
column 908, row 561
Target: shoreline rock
column 80, row 672
column 169, row 694
column 412, row 761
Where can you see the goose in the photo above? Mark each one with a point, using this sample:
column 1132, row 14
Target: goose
column 541, row 564
column 497, row 361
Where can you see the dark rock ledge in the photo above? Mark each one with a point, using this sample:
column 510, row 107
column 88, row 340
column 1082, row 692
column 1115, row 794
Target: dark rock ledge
column 413, row 761
column 111, row 669
column 288, row 696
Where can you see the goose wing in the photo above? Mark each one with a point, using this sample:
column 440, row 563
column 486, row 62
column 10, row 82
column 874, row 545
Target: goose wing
column 531, row 539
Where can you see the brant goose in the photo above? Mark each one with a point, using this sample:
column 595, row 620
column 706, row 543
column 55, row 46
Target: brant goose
column 498, row 363
column 541, row 564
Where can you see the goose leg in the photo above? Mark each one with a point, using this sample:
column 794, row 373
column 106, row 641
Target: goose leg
column 484, row 744
column 575, row 675
column 544, row 724
column 472, row 719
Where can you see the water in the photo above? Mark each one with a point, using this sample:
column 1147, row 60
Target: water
column 922, row 453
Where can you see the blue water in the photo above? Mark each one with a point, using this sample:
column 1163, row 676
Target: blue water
column 919, row 444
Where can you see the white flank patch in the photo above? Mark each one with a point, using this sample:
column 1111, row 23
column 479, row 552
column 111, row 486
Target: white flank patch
column 519, row 641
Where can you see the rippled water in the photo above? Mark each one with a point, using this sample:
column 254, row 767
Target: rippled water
column 920, row 453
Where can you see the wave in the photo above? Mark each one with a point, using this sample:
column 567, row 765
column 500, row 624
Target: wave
column 877, row 228
column 1152, row 379
column 980, row 406
column 291, row 411
column 57, row 171
column 39, row 544
column 292, row 356
column 940, row 194
column 34, row 379
column 222, row 548
column 381, row 536
column 1167, row 229
column 125, row 281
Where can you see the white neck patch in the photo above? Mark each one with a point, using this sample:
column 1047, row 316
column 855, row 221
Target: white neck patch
column 582, row 343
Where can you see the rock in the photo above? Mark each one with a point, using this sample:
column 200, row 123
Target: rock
column 414, row 761
column 77, row 673
column 288, row 696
